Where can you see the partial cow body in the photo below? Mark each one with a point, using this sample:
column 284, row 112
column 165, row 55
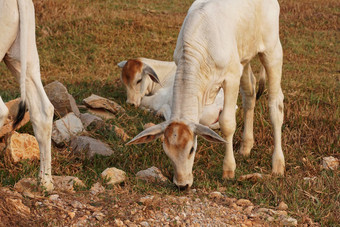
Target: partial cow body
column 216, row 43
column 19, row 52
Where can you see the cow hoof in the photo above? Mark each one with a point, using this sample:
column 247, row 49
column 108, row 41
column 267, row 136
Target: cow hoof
column 228, row 174
column 47, row 186
column 278, row 168
column 246, row 148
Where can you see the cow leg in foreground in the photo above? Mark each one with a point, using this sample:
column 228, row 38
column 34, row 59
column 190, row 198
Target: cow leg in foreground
column 228, row 119
column 3, row 112
column 248, row 83
column 272, row 61
column 41, row 113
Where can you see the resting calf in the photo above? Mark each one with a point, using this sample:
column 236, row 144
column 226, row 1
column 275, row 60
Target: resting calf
column 140, row 78
column 216, row 43
column 19, row 52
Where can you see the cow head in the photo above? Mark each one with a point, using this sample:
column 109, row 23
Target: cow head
column 180, row 143
column 135, row 77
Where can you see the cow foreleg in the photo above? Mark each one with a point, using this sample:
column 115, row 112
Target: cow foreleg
column 248, row 82
column 272, row 61
column 228, row 122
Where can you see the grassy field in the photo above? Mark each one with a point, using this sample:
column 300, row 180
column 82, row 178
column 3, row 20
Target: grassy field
column 80, row 43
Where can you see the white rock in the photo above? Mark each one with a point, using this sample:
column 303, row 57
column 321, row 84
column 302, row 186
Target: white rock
column 91, row 120
column 22, row 146
column 66, row 127
column 54, row 197
column 330, row 163
column 151, row 174
column 114, row 175
column 90, row 146
column 145, row 224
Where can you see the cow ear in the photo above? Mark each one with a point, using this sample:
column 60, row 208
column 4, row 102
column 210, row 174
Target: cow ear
column 208, row 134
column 149, row 134
column 147, row 70
column 121, row 64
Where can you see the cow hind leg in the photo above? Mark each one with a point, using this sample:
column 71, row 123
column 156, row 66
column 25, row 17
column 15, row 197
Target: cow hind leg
column 228, row 122
column 248, row 82
column 272, row 61
column 3, row 112
column 41, row 114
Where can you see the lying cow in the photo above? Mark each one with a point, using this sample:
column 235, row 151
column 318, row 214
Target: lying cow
column 19, row 52
column 149, row 84
column 216, row 43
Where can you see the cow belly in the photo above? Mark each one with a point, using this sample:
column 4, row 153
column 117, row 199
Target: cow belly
column 9, row 24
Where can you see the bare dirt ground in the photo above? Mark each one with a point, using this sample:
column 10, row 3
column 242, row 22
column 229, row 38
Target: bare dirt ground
column 121, row 206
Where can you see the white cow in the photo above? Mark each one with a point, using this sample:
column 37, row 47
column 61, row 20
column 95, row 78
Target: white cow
column 216, row 43
column 149, row 84
column 19, row 52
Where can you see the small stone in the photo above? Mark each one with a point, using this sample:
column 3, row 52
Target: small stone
column 97, row 188
column 77, row 204
column 66, row 183
column 114, row 175
column 282, row 206
column 97, row 102
column 89, row 146
column 248, row 209
column 253, row 177
column 121, row 134
column 244, row 202
column 54, row 197
column 330, row 163
column 22, row 146
column 145, row 224
column 119, row 223
column 151, row 174
column 66, row 127
column 147, row 199
column 90, row 120
column 215, row 195
column 289, row 221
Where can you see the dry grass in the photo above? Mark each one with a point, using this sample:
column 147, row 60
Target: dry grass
column 80, row 43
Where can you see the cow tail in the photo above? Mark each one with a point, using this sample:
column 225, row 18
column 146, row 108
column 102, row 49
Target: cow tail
column 23, row 27
column 262, row 83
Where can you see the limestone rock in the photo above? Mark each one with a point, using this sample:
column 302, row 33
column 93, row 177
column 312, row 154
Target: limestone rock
column 114, row 175
column 19, row 207
column 66, row 183
column 90, row 146
column 91, row 120
column 13, row 107
column 330, row 163
column 151, row 174
column 62, row 101
column 97, row 102
column 28, row 187
column 22, row 146
column 289, row 221
column 66, row 127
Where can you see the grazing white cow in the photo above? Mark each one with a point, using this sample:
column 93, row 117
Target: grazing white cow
column 19, row 52
column 216, row 43
column 141, row 79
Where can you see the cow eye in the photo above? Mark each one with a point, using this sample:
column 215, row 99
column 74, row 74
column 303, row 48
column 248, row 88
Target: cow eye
column 140, row 80
column 191, row 150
